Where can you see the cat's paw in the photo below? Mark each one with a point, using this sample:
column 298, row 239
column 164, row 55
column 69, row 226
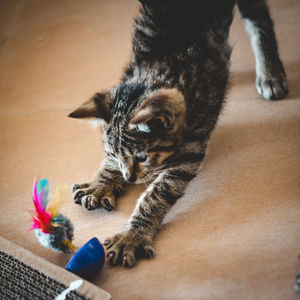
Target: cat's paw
column 95, row 195
column 124, row 248
column 272, row 85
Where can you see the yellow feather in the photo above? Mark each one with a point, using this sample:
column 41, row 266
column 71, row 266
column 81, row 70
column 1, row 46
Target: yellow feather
column 70, row 245
column 58, row 199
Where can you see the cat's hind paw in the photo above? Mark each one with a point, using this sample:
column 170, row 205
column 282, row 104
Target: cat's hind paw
column 272, row 85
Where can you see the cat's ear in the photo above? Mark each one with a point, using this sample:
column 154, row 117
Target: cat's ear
column 96, row 107
column 163, row 111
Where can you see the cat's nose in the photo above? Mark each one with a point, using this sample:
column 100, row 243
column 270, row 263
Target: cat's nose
column 130, row 177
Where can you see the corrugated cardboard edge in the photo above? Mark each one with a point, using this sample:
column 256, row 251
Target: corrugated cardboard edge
column 53, row 271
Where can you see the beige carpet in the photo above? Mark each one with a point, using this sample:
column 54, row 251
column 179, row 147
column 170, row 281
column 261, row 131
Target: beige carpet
column 234, row 235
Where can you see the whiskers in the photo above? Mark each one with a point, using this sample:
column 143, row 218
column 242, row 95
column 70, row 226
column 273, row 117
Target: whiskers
column 112, row 165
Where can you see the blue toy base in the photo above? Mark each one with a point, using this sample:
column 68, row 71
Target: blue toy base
column 88, row 260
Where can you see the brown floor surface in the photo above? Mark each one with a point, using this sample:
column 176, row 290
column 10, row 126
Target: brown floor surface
column 234, row 235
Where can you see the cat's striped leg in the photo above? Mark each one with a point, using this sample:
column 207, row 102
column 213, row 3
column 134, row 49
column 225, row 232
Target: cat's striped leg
column 150, row 211
column 103, row 190
column 271, row 81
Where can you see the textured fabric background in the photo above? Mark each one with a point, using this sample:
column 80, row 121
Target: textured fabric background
column 236, row 232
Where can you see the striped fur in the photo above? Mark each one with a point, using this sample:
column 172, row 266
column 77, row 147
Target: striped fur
column 157, row 121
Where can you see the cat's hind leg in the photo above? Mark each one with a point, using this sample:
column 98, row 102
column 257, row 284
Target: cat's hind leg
column 271, row 81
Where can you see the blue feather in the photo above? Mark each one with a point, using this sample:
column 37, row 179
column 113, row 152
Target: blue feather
column 43, row 189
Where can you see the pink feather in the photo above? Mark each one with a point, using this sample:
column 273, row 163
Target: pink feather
column 40, row 217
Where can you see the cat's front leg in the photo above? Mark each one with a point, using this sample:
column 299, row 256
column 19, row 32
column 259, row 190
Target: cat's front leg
column 103, row 190
column 148, row 215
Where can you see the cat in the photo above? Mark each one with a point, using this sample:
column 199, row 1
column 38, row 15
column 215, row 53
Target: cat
column 157, row 121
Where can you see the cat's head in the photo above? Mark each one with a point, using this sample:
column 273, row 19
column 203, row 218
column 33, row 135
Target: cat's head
column 141, row 127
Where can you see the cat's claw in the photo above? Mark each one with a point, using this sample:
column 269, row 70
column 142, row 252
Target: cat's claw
column 106, row 203
column 75, row 187
column 93, row 196
column 123, row 249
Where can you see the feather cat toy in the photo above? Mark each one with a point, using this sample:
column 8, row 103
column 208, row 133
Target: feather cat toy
column 55, row 231
column 52, row 229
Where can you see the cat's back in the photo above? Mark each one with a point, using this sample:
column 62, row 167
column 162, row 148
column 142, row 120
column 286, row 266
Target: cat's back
column 187, row 11
column 166, row 27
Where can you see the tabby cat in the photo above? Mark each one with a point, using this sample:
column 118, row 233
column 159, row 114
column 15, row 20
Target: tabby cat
column 157, row 121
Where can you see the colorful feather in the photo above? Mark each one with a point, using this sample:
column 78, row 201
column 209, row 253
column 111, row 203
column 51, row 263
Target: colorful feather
column 43, row 185
column 52, row 229
column 44, row 214
column 40, row 217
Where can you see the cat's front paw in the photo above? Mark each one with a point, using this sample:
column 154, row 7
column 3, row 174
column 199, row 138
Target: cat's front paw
column 124, row 248
column 95, row 195
column 272, row 85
